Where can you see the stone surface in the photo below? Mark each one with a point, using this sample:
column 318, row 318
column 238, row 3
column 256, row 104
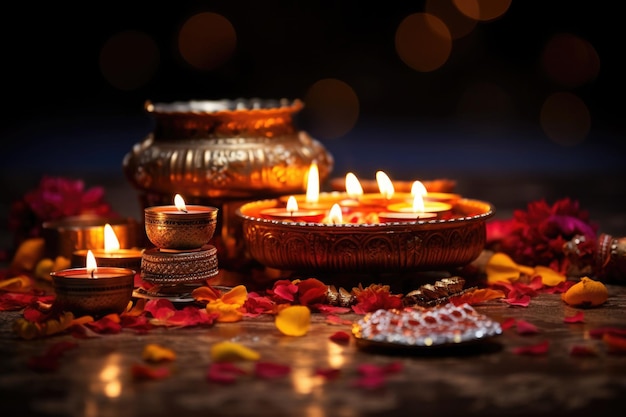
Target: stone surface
column 486, row 379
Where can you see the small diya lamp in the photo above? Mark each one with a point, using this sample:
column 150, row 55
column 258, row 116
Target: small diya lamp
column 387, row 194
column 112, row 254
column 93, row 290
column 65, row 236
column 418, row 187
column 417, row 210
column 181, row 226
column 291, row 212
column 182, row 255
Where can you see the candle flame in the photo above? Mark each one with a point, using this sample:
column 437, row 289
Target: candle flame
column 180, row 203
column 91, row 264
column 418, row 203
column 292, row 204
column 384, row 185
column 313, row 184
column 111, row 242
column 353, row 186
column 418, row 188
column 335, row 216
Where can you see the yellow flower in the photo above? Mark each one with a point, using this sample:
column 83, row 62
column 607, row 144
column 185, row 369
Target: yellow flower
column 228, row 306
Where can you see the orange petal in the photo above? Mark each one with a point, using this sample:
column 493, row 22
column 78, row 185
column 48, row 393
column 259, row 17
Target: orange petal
column 205, row 293
column 237, row 295
column 294, row 320
column 153, row 352
column 549, row 276
column 500, row 267
column 229, row 351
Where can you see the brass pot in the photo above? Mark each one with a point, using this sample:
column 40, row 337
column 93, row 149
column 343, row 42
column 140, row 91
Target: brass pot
column 224, row 153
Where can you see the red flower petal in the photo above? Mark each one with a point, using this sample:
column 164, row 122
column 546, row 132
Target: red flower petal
column 507, row 323
column 224, row 372
column 340, row 337
column 524, row 327
column 330, row 373
column 141, row 371
column 533, row 350
column 579, row 317
column 268, row 370
column 579, row 350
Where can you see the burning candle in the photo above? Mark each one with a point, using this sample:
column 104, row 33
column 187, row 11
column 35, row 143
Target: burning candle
column 418, row 210
column 386, row 194
column 112, row 254
column 180, row 227
column 335, row 215
column 291, row 212
column 92, row 289
column 418, row 187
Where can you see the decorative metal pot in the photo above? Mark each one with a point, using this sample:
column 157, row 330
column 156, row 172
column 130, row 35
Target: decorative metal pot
column 224, row 153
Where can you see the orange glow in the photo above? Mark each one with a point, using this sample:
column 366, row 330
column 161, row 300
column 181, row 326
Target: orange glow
column 418, row 203
column 418, row 188
column 111, row 242
column 90, row 262
column 385, row 186
column 207, row 40
column 313, row 184
column 292, row 204
column 423, row 42
column 333, row 107
column 353, row 186
column 180, row 203
column 458, row 23
column 335, row 216
column 483, row 10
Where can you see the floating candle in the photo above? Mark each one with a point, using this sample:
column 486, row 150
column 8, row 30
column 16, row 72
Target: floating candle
column 419, row 208
column 292, row 213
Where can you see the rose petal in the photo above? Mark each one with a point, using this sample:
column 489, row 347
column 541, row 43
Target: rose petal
column 293, row 320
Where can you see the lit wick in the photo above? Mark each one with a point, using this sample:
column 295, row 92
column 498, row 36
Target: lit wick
column 180, row 203
column 91, row 264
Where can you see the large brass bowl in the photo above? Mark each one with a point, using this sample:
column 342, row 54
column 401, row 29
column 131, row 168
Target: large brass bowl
column 426, row 245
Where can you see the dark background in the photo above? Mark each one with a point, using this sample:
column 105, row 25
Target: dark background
column 62, row 117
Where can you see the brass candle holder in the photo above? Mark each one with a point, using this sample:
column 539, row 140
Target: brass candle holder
column 106, row 290
column 182, row 257
column 390, row 247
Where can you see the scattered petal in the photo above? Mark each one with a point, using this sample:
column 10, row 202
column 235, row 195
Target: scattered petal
column 579, row 317
column 328, row 373
column 224, row 372
column 525, row 328
column 294, row 320
column 340, row 337
column 231, row 351
column 268, row 370
column 153, row 352
column 144, row 372
column 583, row 351
column 533, row 350
column 615, row 343
column 586, row 293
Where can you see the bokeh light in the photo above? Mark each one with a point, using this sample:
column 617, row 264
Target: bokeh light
column 207, row 40
column 423, row 42
column 129, row 60
column 483, row 10
column 458, row 23
column 565, row 119
column 333, row 108
column 570, row 60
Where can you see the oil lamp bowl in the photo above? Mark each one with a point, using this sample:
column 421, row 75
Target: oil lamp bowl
column 96, row 297
column 426, row 245
column 180, row 232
